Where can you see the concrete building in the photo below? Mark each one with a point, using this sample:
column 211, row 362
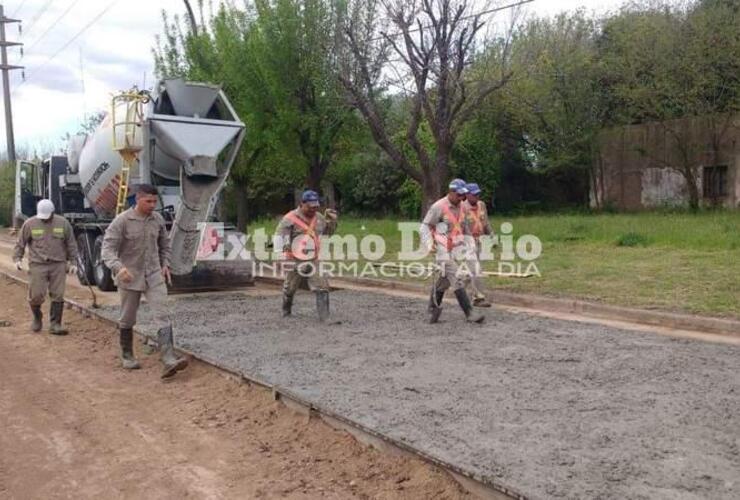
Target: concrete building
column 653, row 165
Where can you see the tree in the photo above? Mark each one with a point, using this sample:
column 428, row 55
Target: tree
column 276, row 60
column 558, row 108
column 293, row 48
column 668, row 61
column 91, row 122
column 435, row 43
column 214, row 53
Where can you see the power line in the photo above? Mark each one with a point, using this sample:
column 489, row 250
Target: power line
column 54, row 24
column 17, row 9
column 37, row 16
column 70, row 41
column 464, row 18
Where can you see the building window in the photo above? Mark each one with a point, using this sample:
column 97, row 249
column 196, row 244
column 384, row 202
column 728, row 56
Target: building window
column 715, row 181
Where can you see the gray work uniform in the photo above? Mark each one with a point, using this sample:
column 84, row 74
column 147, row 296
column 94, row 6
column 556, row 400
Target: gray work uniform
column 141, row 245
column 51, row 244
column 477, row 217
column 447, row 226
column 291, row 234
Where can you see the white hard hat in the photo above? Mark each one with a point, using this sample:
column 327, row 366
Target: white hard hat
column 44, row 209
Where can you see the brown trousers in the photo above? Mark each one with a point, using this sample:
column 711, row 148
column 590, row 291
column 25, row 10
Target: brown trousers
column 475, row 269
column 50, row 278
column 303, row 270
column 156, row 297
column 449, row 274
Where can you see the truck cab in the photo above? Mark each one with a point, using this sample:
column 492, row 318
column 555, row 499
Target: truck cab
column 50, row 179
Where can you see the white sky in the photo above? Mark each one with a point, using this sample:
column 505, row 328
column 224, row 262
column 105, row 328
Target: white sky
column 113, row 54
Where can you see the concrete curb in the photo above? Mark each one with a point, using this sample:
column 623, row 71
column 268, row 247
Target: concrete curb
column 679, row 321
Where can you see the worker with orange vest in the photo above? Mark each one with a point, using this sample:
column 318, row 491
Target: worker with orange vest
column 446, row 230
column 299, row 235
column 477, row 216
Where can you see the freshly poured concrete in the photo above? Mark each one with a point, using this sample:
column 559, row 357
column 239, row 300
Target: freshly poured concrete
column 551, row 408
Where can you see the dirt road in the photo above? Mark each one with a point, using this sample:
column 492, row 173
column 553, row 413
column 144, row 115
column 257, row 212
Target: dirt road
column 75, row 425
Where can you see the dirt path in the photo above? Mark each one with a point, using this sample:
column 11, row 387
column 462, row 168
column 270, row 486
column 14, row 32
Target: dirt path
column 75, row 425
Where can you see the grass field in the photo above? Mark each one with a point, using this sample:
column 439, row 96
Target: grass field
column 671, row 261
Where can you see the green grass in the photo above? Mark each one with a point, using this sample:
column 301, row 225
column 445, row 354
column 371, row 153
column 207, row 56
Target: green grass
column 671, row 261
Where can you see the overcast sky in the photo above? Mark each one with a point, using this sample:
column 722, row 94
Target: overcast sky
column 112, row 54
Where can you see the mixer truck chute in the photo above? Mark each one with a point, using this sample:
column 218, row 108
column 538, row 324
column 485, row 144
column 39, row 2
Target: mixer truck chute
column 186, row 137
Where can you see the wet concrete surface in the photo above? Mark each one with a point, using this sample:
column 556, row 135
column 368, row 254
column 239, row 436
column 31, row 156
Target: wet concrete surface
column 550, row 408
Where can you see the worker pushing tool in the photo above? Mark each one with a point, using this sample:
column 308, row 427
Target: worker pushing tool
column 299, row 236
column 52, row 251
column 136, row 249
column 477, row 216
column 446, row 230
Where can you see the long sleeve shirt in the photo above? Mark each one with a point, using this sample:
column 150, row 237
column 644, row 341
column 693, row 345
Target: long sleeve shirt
column 51, row 240
column 141, row 245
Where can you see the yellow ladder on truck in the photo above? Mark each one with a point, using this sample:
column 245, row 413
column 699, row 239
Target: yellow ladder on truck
column 126, row 140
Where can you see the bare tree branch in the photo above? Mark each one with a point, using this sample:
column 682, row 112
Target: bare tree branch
column 438, row 40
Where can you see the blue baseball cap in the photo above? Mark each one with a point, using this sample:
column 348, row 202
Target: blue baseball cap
column 473, row 188
column 310, row 197
column 458, row 186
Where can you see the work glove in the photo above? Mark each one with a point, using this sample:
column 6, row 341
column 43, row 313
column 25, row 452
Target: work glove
column 72, row 268
column 18, row 265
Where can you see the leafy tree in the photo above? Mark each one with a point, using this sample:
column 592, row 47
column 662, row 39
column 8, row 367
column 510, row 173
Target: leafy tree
column 667, row 61
column 275, row 62
column 293, row 48
column 558, row 108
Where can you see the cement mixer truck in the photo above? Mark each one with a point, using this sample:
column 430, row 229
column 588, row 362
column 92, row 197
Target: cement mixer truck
column 182, row 137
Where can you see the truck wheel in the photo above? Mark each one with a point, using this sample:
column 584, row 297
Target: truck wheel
column 103, row 277
column 85, row 271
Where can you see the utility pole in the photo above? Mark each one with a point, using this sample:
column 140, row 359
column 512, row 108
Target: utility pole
column 4, row 44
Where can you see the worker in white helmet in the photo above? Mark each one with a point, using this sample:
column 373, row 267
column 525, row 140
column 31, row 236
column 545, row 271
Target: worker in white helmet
column 52, row 252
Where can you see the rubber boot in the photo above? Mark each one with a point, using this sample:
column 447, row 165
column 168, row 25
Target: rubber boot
column 55, row 318
column 464, row 301
column 128, row 361
column 38, row 317
column 171, row 363
column 287, row 305
column 435, row 305
column 322, row 305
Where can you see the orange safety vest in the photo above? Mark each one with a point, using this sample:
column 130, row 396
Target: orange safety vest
column 310, row 230
column 477, row 226
column 454, row 231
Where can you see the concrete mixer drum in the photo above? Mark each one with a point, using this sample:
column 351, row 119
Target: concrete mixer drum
column 182, row 137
